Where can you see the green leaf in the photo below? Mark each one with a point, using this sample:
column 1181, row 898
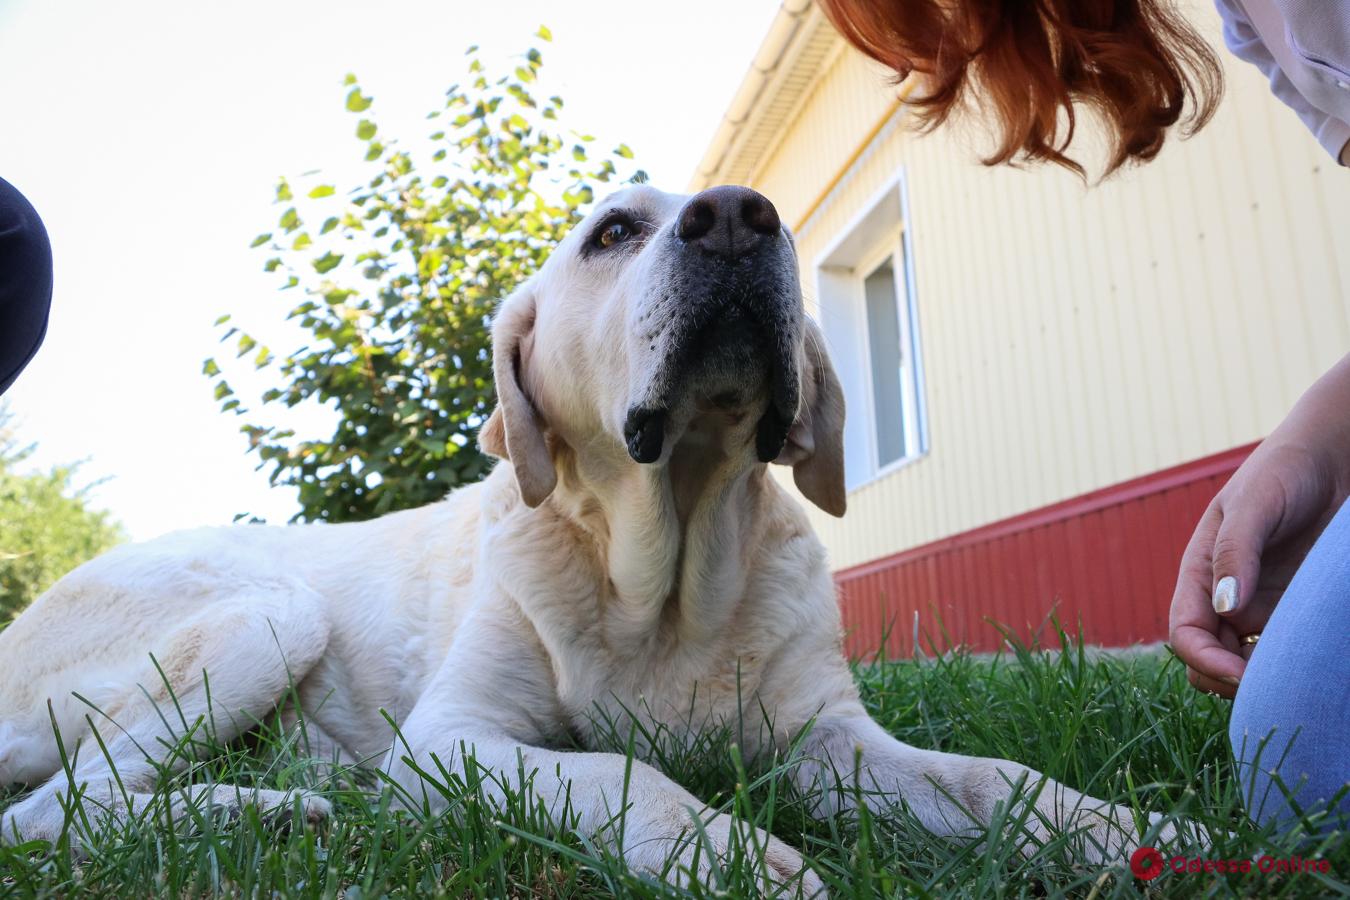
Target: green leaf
column 327, row 262
column 624, row 151
column 209, row 368
column 290, row 219
column 261, row 239
column 283, row 191
column 365, row 129
column 544, row 34
column 302, row 240
column 328, row 224
column 323, row 190
column 357, row 102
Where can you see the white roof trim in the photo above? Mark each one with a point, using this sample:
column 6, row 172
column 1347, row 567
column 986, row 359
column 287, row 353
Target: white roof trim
column 792, row 53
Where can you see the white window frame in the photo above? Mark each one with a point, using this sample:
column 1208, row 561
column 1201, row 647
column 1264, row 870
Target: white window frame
column 880, row 232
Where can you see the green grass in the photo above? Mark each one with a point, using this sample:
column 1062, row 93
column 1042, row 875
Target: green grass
column 1125, row 727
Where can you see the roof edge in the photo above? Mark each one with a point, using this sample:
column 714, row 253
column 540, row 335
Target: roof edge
column 779, row 49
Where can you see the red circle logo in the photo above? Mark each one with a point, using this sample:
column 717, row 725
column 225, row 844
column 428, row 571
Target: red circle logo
column 1146, row 863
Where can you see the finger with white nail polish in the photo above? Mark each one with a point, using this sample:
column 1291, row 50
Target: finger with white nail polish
column 1226, row 595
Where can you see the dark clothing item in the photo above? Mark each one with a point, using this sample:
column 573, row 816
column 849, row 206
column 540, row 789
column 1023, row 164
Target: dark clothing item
column 25, row 283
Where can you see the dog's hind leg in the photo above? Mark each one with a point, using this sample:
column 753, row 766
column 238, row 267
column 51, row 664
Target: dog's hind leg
column 215, row 675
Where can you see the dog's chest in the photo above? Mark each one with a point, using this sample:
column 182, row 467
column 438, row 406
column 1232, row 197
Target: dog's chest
column 709, row 651
column 668, row 689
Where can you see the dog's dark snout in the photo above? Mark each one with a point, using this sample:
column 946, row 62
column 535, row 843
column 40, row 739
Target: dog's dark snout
column 727, row 221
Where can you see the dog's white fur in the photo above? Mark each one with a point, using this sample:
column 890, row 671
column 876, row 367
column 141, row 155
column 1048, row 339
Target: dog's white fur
column 571, row 585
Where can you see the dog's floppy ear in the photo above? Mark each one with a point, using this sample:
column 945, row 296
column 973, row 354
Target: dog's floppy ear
column 515, row 431
column 815, row 443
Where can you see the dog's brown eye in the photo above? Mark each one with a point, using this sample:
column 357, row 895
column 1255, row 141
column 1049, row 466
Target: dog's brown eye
column 615, row 233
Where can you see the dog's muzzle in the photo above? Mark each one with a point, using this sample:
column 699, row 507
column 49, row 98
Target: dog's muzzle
column 739, row 324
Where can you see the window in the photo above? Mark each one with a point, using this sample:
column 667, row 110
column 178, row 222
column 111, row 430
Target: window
column 869, row 315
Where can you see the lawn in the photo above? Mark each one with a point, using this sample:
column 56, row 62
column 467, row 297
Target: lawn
column 1121, row 726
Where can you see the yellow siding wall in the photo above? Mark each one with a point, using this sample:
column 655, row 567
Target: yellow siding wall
column 1073, row 337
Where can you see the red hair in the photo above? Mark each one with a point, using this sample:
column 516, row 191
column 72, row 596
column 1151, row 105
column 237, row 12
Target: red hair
column 1138, row 63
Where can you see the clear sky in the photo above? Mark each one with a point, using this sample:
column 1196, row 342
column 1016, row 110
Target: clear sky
column 149, row 135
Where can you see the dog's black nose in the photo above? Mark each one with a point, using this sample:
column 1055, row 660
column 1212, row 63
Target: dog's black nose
column 728, row 221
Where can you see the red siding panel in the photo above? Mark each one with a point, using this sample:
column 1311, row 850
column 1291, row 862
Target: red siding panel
column 1106, row 560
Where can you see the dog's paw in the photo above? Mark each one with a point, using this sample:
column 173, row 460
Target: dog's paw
column 274, row 808
column 313, row 809
column 688, row 859
column 226, row 803
column 1112, row 839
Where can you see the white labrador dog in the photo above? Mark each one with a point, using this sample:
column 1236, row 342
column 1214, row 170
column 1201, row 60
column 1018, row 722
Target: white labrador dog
column 633, row 557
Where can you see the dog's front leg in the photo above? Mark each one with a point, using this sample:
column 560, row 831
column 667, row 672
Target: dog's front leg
column 851, row 757
column 483, row 718
column 625, row 805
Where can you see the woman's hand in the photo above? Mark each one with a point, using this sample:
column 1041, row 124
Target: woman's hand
column 1257, row 531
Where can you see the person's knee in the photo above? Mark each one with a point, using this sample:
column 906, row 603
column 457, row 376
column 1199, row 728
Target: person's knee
column 1290, row 762
column 1290, row 718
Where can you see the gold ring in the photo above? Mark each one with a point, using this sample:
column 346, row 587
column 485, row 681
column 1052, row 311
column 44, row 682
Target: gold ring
column 1248, row 640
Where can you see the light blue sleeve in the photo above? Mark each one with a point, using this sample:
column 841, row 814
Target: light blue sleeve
column 1245, row 43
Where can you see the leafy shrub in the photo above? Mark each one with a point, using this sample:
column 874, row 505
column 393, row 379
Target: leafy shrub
column 399, row 277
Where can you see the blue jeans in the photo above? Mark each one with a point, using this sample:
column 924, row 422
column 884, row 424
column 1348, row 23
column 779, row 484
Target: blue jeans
column 1291, row 718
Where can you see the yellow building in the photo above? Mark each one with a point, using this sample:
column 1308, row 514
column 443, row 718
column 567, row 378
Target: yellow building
column 1047, row 381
